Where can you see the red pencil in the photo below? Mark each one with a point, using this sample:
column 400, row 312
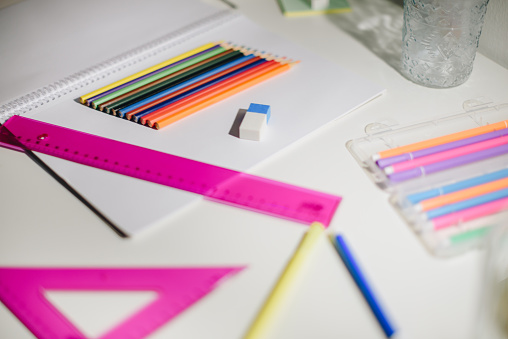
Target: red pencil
column 187, row 88
column 191, row 99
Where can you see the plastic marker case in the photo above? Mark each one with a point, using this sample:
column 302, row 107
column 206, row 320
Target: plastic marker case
column 452, row 200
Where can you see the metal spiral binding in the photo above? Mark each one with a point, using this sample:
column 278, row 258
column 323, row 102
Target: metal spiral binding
column 83, row 78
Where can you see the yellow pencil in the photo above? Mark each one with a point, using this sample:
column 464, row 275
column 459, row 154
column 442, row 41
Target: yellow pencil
column 146, row 71
column 293, row 269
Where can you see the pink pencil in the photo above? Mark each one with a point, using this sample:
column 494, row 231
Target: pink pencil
column 470, row 213
column 433, row 158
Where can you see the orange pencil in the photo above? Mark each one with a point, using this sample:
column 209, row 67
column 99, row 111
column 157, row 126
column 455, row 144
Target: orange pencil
column 221, row 93
column 464, row 194
column 148, row 70
column 187, row 88
column 189, row 100
column 209, row 95
column 441, row 140
column 104, row 106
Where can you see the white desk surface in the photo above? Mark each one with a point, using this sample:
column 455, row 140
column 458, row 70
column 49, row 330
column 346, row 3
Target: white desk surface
column 42, row 224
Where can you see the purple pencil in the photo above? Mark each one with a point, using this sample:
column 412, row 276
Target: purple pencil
column 382, row 163
column 449, row 163
column 98, row 96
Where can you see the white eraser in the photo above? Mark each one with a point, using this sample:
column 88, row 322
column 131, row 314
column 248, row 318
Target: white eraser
column 253, row 126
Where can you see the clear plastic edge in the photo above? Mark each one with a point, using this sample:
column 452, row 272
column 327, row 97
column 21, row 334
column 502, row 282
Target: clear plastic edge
column 461, row 236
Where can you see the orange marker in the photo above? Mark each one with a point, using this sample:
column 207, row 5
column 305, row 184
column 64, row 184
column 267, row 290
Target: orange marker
column 441, row 140
column 464, row 194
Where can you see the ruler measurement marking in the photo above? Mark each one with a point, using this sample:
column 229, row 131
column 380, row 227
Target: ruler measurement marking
column 213, row 182
column 305, row 210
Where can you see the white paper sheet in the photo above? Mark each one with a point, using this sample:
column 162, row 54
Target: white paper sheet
column 311, row 94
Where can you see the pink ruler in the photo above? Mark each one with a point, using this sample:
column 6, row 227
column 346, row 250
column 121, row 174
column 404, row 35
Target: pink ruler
column 21, row 290
column 215, row 183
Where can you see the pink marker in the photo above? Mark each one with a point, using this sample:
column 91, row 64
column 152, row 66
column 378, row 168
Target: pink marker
column 441, row 156
column 470, row 213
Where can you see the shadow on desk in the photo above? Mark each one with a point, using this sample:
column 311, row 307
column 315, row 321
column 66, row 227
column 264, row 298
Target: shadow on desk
column 377, row 24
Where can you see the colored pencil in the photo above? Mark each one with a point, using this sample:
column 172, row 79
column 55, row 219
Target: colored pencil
column 157, row 76
column 447, row 164
column 467, row 203
column 215, row 94
column 360, row 280
column 196, row 90
column 169, row 83
column 382, row 163
column 146, row 71
column 417, row 197
column 89, row 100
column 192, row 83
column 469, row 214
column 190, row 100
column 172, row 77
column 258, row 68
column 286, row 282
column 441, row 140
column 461, row 195
column 162, row 97
column 170, row 91
column 441, row 156
column 223, row 94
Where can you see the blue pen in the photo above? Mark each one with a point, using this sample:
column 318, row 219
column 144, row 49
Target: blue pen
column 359, row 278
column 482, row 179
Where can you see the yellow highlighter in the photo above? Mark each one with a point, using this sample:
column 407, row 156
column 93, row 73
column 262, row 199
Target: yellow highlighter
column 281, row 290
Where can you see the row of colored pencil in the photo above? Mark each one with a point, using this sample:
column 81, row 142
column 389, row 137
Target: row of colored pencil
column 461, row 201
column 178, row 87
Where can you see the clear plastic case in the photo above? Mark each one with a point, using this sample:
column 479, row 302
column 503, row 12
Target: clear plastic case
column 453, row 227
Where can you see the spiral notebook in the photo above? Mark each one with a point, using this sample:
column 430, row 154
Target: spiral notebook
column 79, row 49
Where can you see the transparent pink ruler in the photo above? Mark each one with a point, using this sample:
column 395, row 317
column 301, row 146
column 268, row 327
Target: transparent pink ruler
column 21, row 290
column 215, row 183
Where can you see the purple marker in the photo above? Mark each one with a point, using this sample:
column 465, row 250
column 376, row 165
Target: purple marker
column 449, row 163
column 382, row 163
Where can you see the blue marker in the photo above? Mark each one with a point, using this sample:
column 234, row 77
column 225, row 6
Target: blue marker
column 468, row 203
column 482, row 179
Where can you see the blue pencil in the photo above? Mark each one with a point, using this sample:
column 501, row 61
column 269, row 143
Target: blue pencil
column 210, row 83
column 127, row 109
column 356, row 273
column 482, row 179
